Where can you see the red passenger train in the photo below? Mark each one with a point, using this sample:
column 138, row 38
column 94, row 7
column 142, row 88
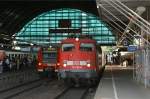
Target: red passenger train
column 79, row 60
column 47, row 60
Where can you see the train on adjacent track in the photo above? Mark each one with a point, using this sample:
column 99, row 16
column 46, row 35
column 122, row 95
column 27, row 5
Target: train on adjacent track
column 79, row 61
column 13, row 53
column 46, row 61
column 14, row 60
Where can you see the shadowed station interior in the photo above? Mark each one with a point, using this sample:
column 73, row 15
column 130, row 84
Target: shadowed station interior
column 74, row 49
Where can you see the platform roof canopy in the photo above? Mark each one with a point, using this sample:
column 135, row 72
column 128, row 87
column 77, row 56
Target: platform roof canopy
column 56, row 25
column 16, row 15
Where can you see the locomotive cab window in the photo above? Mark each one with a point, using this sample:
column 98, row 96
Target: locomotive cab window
column 46, row 55
column 68, row 47
column 86, row 47
column 49, row 56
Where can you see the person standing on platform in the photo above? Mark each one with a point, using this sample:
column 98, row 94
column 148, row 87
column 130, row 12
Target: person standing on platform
column 18, row 63
column 2, row 55
column 1, row 66
column 7, row 63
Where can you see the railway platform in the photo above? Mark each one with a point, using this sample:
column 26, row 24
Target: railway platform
column 117, row 83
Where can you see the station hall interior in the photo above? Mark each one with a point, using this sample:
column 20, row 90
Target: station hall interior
column 74, row 49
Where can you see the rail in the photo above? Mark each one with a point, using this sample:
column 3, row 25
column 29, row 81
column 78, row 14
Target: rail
column 73, row 93
column 12, row 79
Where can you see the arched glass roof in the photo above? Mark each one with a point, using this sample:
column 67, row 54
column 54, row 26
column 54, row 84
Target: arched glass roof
column 55, row 25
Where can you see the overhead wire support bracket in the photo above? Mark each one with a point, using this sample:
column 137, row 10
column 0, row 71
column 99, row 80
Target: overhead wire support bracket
column 134, row 17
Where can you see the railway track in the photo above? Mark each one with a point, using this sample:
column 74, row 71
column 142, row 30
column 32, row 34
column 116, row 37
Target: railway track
column 52, row 89
column 15, row 91
column 25, row 84
column 73, row 93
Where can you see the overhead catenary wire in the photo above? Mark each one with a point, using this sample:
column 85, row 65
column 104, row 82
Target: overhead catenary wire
column 122, row 29
column 130, row 17
column 146, row 22
column 132, row 20
column 124, row 24
column 117, row 25
column 120, row 21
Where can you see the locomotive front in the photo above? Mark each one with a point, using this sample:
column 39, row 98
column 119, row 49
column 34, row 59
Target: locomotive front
column 77, row 59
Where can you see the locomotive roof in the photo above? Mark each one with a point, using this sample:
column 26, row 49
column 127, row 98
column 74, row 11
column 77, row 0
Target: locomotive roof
column 84, row 40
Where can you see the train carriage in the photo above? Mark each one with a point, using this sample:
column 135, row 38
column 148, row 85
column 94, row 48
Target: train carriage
column 47, row 60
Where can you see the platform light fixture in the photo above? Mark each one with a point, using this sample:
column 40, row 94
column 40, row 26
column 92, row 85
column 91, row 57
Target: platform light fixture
column 137, row 40
column 127, row 31
column 16, row 48
column 31, row 44
column 2, row 45
column 6, row 39
column 97, row 6
column 5, row 34
column 50, row 46
column 14, row 42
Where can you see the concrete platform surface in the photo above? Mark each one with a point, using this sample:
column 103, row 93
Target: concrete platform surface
column 118, row 83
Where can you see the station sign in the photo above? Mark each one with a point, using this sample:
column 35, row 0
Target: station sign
column 132, row 48
column 65, row 30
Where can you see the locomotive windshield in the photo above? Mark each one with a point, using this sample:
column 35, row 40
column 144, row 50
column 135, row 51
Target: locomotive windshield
column 49, row 57
column 86, row 47
column 68, row 47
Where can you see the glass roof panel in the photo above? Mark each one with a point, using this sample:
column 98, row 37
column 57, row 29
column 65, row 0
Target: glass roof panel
column 47, row 27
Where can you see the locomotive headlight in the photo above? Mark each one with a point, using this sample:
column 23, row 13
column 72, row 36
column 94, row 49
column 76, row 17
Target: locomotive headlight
column 58, row 64
column 65, row 65
column 77, row 39
column 40, row 64
column 88, row 65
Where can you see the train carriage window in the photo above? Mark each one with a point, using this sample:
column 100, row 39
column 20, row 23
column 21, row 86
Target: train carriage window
column 86, row 47
column 68, row 47
column 46, row 55
column 49, row 55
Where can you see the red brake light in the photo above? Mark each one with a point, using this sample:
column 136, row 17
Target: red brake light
column 58, row 64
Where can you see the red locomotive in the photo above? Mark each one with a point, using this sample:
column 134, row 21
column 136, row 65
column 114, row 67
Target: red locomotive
column 79, row 60
column 47, row 60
